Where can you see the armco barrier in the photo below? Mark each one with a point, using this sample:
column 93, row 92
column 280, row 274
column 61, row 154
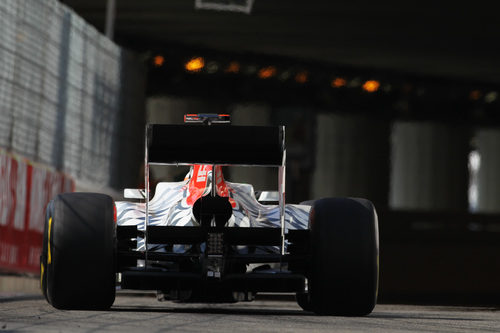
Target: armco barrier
column 26, row 188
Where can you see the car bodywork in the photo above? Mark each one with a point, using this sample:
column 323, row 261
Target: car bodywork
column 172, row 205
column 208, row 233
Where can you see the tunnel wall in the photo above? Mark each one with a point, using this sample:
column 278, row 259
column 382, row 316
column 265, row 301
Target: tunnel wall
column 65, row 91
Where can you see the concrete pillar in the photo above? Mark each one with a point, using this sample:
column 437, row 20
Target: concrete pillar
column 429, row 167
column 352, row 158
column 488, row 177
column 260, row 178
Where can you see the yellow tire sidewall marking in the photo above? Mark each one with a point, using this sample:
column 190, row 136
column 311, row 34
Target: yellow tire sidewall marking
column 49, row 256
column 42, row 270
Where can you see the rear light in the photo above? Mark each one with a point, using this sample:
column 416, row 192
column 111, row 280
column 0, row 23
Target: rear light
column 207, row 118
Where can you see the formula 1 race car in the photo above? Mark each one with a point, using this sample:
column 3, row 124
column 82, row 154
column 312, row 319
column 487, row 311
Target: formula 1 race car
column 206, row 239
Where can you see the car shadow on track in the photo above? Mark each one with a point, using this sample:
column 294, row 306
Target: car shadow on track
column 272, row 305
column 420, row 317
column 213, row 310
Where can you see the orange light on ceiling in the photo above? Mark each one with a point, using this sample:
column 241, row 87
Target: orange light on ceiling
column 158, row 61
column 302, row 77
column 371, row 86
column 233, row 67
column 338, row 82
column 475, row 95
column 195, row 64
column 267, row 72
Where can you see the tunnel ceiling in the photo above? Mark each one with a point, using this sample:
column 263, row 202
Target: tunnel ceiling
column 452, row 40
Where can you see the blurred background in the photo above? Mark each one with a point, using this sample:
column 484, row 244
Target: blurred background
column 393, row 101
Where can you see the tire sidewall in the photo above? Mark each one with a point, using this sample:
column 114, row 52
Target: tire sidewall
column 343, row 277
column 81, row 274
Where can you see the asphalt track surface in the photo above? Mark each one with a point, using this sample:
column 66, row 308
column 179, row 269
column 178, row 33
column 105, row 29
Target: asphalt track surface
column 133, row 313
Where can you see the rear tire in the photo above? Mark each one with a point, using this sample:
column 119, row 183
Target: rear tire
column 343, row 277
column 81, row 252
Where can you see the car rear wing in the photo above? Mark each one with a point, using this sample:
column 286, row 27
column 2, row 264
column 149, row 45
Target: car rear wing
column 220, row 145
column 217, row 145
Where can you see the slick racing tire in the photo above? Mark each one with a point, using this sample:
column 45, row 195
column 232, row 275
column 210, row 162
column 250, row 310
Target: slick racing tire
column 80, row 252
column 343, row 277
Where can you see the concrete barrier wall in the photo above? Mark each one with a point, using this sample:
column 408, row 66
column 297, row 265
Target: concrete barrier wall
column 64, row 91
column 71, row 112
